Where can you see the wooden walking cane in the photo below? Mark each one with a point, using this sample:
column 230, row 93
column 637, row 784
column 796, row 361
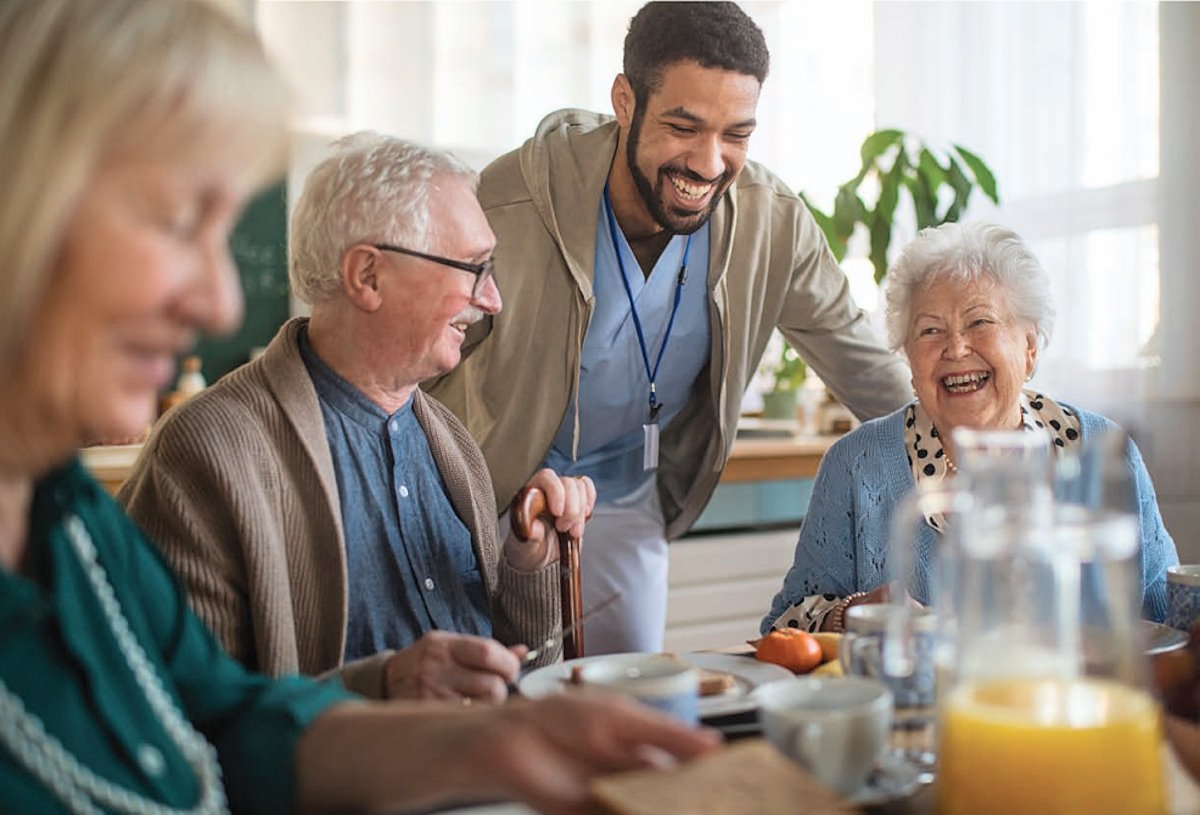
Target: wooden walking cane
column 530, row 503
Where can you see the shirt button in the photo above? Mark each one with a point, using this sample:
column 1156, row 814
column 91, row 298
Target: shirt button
column 393, row 426
column 429, row 583
column 151, row 760
column 403, row 491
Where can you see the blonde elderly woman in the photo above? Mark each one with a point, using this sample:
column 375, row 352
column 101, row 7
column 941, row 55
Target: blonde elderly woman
column 131, row 134
column 969, row 306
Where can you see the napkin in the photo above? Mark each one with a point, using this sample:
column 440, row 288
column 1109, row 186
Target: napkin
column 749, row 776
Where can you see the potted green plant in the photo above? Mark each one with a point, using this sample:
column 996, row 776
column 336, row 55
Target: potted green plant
column 939, row 184
column 786, row 372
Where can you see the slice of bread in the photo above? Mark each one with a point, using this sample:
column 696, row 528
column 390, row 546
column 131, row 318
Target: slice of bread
column 714, row 683
column 748, row 777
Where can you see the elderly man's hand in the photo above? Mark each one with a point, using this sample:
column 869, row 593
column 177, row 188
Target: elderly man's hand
column 569, row 500
column 446, row 665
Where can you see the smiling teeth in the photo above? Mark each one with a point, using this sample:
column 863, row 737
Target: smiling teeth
column 965, row 383
column 690, row 190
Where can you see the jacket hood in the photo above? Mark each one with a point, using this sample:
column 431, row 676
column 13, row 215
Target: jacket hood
column 571, row 153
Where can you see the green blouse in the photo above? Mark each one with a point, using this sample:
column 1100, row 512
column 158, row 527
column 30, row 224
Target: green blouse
column 59, row 656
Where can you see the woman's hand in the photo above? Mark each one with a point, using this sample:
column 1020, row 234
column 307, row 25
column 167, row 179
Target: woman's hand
column 879, row 594
column 569, row 502
column 380, row 756
column 547, row 753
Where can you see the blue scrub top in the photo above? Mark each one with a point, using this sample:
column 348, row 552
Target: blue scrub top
column 614, row 388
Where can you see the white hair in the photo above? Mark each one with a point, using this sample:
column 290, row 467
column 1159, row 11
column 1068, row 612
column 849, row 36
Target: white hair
column 373, row 189
column 965, row 253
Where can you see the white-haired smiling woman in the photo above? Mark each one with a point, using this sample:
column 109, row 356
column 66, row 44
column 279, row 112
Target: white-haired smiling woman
column 969, row 305
column 131, row 134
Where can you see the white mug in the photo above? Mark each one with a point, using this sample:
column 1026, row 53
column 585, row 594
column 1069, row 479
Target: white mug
column 656, row 680
column 837, row 728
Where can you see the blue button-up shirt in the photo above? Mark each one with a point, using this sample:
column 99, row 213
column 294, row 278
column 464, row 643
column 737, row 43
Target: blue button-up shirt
column 614, row 389
column 409, row 559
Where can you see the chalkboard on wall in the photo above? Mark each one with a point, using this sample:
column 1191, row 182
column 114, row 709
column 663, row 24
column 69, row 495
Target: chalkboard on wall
column 259, row 247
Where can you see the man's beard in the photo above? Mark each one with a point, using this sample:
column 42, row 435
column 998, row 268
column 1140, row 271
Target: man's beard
column 652, row 195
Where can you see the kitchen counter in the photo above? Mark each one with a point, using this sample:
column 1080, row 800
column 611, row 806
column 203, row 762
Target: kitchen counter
column 752, row 459
column 770, row 459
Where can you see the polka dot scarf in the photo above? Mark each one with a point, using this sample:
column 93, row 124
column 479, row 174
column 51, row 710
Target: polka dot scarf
column 928, row 459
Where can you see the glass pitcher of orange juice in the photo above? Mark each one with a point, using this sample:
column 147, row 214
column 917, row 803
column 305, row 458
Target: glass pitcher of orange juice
column 1044, row 706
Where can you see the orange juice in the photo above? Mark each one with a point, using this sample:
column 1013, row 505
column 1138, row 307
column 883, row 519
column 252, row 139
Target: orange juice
column 1031, row 746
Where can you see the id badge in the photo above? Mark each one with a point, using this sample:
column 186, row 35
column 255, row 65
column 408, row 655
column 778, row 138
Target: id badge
column 650, row 446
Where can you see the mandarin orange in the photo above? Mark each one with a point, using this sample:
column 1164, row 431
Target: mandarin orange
column 796, row 650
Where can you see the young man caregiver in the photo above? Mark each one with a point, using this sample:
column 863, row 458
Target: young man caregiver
column 645, row 262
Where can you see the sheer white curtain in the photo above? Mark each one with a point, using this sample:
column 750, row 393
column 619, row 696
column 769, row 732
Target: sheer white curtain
column 1086, row 111
column 476, row 77
column 1062, row 100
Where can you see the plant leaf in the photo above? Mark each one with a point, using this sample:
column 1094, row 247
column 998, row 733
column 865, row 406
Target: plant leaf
column 924, row 201
column 889, row 191
column 825, row 222
column 881, row 236
column 928, row 164
column 983, row 174
column 962, row 191
column 848, row 209
column 877, row 143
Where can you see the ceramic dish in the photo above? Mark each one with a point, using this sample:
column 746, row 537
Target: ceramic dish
column 1161, row 638
column 894, row 777
column 747, row 672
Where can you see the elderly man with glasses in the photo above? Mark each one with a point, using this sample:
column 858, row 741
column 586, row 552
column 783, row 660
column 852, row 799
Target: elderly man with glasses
column 325, row 514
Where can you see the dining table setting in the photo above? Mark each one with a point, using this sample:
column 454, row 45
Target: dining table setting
column 1030, row 683
column 881, row 759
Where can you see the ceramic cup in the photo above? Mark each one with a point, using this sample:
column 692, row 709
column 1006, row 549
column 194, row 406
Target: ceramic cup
column 656, row 680
column 837, row 728
column 1183, row 596
column 861, row 655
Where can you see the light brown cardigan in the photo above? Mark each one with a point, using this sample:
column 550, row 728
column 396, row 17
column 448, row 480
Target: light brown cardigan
column 236, row 486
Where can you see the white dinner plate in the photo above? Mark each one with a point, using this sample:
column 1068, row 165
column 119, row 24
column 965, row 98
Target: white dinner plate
column 747, row 672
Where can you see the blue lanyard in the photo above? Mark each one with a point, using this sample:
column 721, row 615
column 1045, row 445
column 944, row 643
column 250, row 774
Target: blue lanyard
column 651, row 373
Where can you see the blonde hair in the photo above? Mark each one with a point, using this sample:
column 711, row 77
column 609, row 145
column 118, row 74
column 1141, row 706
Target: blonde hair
column 82, row 81
column 373, row 188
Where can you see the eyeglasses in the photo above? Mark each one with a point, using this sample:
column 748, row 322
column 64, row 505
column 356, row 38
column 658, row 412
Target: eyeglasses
column 482, row 271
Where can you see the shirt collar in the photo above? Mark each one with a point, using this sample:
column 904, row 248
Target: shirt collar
column 335, row 391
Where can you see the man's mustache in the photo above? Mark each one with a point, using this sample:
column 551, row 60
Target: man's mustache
column 692, row 175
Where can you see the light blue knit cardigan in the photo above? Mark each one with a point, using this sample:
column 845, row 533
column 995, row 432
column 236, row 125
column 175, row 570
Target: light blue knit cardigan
column 843, row 544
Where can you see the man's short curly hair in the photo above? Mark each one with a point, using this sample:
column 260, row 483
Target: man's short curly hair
column 716, row 35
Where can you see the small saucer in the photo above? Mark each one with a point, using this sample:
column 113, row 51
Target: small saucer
column 894, row 777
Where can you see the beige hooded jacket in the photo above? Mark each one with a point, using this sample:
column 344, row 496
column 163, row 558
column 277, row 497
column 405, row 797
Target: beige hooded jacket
column 769, row 266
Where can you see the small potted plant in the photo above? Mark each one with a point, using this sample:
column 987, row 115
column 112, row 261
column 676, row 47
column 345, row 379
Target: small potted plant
column 785, row 372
